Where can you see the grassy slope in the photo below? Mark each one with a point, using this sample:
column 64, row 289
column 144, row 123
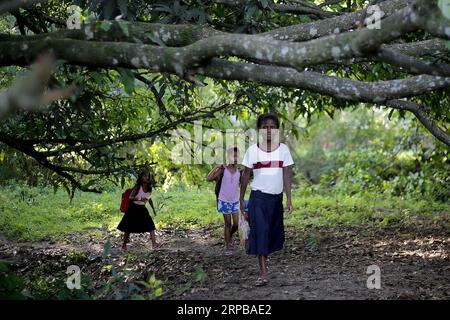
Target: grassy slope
column 35, row 214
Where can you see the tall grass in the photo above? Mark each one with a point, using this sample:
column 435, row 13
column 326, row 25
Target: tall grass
column 40, row 213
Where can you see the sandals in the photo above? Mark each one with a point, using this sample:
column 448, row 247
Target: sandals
column 261, row 281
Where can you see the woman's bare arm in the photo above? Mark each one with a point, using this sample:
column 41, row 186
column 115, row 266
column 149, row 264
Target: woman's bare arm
column 287, row 182
column 152, row 205
column 244, row 182
column 214, row 173
column 133, row 194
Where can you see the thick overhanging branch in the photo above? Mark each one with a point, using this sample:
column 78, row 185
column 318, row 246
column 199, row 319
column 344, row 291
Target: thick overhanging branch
column 432, row 47
column 160, row 59
column 345, row 22
column 42, row 160
column 7, row 6
column 422, row 115
column 412, row 64
column 253, row 47
column 342, row 88
column 171, row 35
column 185, row 34
column 300, row 8
column 188, row 49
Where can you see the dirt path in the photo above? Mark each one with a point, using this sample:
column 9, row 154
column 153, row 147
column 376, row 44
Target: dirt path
column 320, row 264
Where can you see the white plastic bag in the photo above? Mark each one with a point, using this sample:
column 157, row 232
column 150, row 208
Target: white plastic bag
column 244, row 229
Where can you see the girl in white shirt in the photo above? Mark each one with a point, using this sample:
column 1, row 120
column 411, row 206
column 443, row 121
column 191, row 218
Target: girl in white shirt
column 270, row 162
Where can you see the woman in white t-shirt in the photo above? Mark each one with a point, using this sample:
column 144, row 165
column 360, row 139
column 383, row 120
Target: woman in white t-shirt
column 271, row 162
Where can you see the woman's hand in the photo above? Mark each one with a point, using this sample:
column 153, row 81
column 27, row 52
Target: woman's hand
column 242, row 206
column 289, row 207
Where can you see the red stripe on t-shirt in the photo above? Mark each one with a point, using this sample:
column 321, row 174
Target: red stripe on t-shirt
column 268, row 164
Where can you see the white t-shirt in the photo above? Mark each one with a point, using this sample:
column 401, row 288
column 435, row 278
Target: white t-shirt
column 267, row 167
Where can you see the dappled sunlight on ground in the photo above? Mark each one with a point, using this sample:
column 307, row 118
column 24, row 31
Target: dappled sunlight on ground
column 426, row 248
column 320, row 263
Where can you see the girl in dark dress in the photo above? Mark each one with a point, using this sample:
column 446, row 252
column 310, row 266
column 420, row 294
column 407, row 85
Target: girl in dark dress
column 137, row 219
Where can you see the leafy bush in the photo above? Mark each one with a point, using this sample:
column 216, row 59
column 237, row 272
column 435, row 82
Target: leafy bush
column 11, row 285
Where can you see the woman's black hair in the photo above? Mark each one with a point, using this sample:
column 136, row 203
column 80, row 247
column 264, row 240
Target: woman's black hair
column 139, row 178
column 265, row 117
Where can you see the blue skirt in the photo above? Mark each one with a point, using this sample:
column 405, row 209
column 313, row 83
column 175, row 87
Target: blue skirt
column 265, row 214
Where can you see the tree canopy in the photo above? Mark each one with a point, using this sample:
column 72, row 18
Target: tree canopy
column 145, row 68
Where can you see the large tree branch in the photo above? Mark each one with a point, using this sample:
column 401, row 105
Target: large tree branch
column 42, row 160
column 412, row 64
column 156, row 94
column 298, row 8
column 185, row 34
column 346, row 89
column 422, row 115
column 308, row 31
column 135, row 56
column 12, row 5
column 178, row 60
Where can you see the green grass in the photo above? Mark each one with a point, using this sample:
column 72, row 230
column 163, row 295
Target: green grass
column 36, row 214
column 368, row 209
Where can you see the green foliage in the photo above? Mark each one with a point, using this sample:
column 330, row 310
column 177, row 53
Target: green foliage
column 183, row 207
column 76, row 256
column 11, row 285
column 361, row 152
column 49, row 214
column 444, row 5
column 200, row 275
column 119, row 286
column 312, row 241
column 315, row 208
column 115, row 104
column 125, row 284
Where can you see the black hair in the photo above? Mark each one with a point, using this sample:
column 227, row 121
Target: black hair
column 139, row 178
column 265, row 117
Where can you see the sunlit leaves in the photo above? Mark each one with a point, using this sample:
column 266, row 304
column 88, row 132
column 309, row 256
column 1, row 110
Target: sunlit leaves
column 128, row 81
column 444, row 5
